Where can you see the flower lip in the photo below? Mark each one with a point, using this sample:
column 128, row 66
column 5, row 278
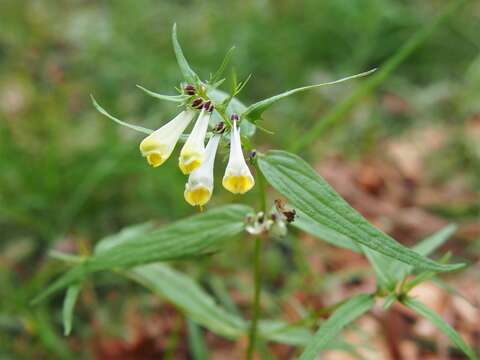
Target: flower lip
column 193, row 152
column 238, row 178
column 158, row 146
column 199, row 188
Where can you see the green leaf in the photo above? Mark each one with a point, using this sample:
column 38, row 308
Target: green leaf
column 444, row 327
column 199, row 306
column 380, row 264
column 118, row 121
column 182, row 291
column 189, row 75
column 68, row 307
column 307, row 224
column 195, row 236
column 312, row 195
column 389, row 272
column 215, row 77
column 330, row 329
column 173, row 98
column 256, row 110
column 424, row 247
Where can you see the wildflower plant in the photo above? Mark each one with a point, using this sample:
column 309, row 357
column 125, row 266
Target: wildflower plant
column 139, row 252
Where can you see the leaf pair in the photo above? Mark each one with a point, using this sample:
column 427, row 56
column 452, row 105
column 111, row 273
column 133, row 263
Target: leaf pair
column 323, row 213
column 198, row 235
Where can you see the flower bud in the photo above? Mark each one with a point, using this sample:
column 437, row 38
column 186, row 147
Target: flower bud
column 197, row 103
column 189, row 89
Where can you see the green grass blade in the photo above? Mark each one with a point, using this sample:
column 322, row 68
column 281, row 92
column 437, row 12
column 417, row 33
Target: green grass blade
column 330, row 329
column 443, row 326
column 341, row 110
column 311, row 194
column 196, row 341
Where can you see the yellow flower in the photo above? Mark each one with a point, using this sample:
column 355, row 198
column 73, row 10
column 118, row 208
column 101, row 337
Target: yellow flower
column 199, row 187
column 158, row 146
column 193, row 152
column 237, row 178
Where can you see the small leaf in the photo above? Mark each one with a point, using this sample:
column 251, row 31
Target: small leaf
column 424, row 247
column 189, row 75
column 256, row 110
column 312, row 195
column 118, row 121
column 389, row 300
column 182, row 291
column 443, row 326
column 173, row 98
column 68, row 307
column 215, row 77
column 330, row 329
column 188, row 238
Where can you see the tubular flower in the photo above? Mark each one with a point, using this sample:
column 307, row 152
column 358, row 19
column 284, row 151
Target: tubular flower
column 193, row 152
column 158, row 146
column 237, row 178
column 199, row 187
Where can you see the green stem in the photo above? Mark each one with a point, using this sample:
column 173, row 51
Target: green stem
column 256, row 299
column 257, row 276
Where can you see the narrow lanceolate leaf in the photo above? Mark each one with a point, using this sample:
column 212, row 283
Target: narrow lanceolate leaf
column 256, row 110
column 424, row 247
column 185, row 68
column 102, row 111
column 188, row 238
column 198, row 305
column 173, row 98
column 307, row 224
column 389, row 272
column 182, row 291
column 330, row 329
column 68, row 307
column 443, row 326
column 312, row 195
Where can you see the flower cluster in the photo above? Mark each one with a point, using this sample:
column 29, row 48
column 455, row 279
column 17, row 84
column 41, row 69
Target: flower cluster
column 274, row 223
column 195, row 159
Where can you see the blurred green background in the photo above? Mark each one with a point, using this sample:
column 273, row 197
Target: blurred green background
column 69, row 176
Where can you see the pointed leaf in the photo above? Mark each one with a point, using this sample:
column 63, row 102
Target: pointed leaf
column 215, row 77
column 173, row 98
column 443, row 326
column 256, row 110
column 330, row 329
column 118, row 121
column 188, row 238
column 308, row 192
column 68, row 307
column 189, row 75
column 189, row 297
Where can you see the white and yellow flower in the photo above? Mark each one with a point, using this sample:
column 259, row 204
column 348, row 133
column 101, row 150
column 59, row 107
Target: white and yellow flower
column 238, row 178
column 193, row 152
column 199, row 187
column 158, row 146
